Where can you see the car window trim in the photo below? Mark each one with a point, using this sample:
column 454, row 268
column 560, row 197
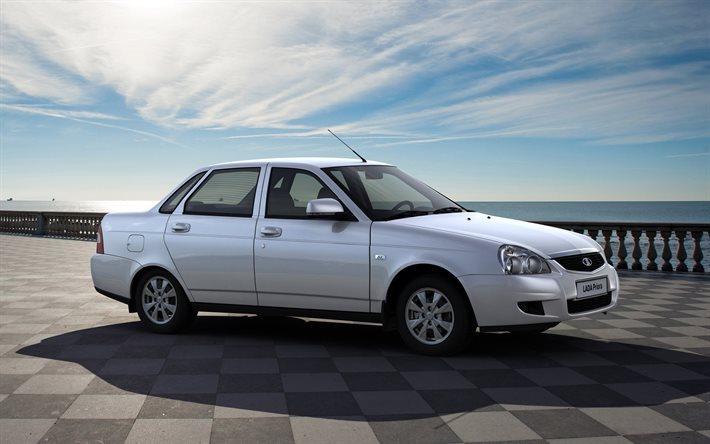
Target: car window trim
column 348, row 216
column 197, row 177
column 258, row 169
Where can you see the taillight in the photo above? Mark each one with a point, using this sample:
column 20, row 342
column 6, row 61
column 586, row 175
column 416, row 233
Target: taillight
column 100, row 241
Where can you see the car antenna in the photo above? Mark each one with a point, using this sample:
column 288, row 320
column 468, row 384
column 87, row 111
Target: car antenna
column 341, row 141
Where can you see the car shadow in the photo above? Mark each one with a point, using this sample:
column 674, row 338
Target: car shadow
column 322, row 369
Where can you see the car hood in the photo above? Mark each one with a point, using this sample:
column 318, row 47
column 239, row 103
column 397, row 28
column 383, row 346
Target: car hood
column 548, row 241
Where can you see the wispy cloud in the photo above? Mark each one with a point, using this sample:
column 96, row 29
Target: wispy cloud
column 611, row 72
column 85, row 116
column 707, row 153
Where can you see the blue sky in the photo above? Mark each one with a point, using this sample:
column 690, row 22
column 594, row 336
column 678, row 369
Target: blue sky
column 537, row 100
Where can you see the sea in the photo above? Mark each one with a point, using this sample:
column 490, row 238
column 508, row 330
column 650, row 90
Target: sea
column 689, row 212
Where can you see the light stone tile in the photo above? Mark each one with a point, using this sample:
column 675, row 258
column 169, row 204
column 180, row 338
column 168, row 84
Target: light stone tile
column 250, row 405
column 21, row 366
column 634, row 420
column 23, row 431
column 55, row 384
column 330, row 430
column 170, row 431
column 489, row 426
column 105, row 407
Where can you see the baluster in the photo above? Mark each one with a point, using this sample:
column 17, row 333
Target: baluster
column 681, row 255
column 636, row 252
column 607, row 245
column 666, row 253
column 621, row 253
column 697, row 252
column 652, row 255
column 593, row 234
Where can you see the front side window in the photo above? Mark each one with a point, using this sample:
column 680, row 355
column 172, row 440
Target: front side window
column 225, row 193
column 386, row 193
column 290, row 190
column 169, row 206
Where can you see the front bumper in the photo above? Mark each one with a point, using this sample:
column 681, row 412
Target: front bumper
column 495, row 298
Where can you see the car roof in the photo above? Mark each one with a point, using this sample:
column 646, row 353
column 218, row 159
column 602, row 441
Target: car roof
column 320, row 162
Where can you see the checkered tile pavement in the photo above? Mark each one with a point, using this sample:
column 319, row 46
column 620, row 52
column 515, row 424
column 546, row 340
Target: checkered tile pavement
column 77, row 367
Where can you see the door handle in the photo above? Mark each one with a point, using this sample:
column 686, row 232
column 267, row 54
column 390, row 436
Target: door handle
column 270, row 232
column 181, row 227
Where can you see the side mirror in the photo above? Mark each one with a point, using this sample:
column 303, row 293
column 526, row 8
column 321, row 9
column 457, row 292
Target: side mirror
column 324, row 207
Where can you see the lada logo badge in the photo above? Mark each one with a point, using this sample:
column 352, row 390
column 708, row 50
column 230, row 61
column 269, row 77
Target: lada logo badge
column 587, row 262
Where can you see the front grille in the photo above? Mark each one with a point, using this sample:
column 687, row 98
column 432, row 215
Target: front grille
column 576, row 262
column 578, row 306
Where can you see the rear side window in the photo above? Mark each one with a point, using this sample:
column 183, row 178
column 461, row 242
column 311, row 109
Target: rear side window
column 169, row 206
column 225, row 193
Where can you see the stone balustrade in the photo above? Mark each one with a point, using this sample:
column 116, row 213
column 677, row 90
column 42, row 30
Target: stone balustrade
column 53, row 224
column 644, row 239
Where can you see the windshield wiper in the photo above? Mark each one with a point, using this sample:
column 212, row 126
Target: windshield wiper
column 448, row 210
column 409, row 213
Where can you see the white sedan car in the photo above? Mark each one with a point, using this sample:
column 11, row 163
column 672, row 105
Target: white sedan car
column 345, row 239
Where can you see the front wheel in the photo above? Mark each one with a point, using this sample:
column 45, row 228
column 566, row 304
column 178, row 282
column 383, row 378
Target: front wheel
column 161, row 303
column 433, row 316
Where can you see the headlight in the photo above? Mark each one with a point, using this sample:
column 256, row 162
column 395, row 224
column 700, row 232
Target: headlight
column 518, row 260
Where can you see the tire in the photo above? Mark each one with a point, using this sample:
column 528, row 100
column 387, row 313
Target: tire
column 161, row 303
column 431, row 324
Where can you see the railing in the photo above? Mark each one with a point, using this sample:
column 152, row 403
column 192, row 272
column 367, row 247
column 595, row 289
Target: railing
column 643, row 240
column 52, row 224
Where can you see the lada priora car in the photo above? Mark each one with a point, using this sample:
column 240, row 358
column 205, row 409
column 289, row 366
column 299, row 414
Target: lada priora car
column 345, row 239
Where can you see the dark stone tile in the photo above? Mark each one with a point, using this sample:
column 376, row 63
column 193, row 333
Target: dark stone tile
column 120, row 384
column 497, row 378
column 35, row 406
column 249, row 351
column 249, row 383
column 343, row 350
column 142, row 351
column 610, row 374
column 412, row 430
column 368, row 381
column 179, row 406
column 9, row 383
column 191, row 366
column 322, row 404
column 698, row 367
column 694, row 415
column 595, row 395
column 89, row 430
column 567, row 423
column 456, row 401
column 700, row 388
column 102, row 339
column 665, row 438
column 307, row 365
column 418, row 363
column 248, row 430
column 629, row 357
column 528, row 361
column 84, row 366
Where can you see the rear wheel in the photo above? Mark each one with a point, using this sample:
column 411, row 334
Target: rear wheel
column 161, row 303
column 433, row 316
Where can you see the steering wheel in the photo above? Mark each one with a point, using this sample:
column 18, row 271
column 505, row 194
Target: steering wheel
column 404, row 202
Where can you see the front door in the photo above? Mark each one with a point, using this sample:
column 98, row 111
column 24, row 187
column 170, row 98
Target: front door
column 211, row 240
column 307, row 262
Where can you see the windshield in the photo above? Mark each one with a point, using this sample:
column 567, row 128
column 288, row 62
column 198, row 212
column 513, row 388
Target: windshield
column 386, row 193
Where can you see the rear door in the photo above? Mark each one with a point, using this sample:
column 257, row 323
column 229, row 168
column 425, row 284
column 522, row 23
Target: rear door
column 307, row 262
column 210, row 237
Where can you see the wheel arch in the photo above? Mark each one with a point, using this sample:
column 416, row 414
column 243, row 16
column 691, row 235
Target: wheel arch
column 139, row 275
column 405, row 275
